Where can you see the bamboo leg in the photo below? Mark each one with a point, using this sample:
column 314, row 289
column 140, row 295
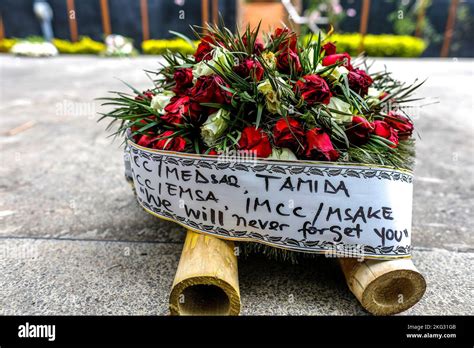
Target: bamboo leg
column 384, row 287
column 206, row 281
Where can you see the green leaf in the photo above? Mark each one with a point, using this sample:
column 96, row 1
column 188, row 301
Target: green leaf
column 259, row 115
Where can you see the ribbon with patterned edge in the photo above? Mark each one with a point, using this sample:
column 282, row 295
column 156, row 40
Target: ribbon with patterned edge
column 347, row 210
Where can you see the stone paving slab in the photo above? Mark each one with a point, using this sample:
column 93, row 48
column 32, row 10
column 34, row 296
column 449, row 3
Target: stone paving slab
column 65, row 277
column 64, row 177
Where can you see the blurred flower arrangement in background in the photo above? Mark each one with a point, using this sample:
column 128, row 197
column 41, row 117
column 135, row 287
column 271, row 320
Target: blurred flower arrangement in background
column 33, row 47
column 119, row 46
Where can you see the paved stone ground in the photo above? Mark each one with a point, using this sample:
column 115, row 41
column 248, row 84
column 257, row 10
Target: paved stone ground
column 73, row 240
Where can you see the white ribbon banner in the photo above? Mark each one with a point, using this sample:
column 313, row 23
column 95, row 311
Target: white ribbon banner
column 347, row 210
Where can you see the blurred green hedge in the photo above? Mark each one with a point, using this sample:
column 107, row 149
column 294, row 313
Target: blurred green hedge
column 7, row 44
column 161, row 46
column 374, row 45
column 84, row 46
column 380, row 45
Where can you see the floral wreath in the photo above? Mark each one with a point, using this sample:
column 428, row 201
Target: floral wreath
column 277, row 96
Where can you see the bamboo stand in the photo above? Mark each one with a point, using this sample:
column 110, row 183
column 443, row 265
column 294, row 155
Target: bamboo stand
column 384, row 287
column 206, row 281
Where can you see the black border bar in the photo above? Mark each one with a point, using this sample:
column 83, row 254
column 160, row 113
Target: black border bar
column 261, row 330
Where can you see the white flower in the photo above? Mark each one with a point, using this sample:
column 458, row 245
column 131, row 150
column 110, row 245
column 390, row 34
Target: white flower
column 342, row 106
column 374, row 92
column 34, row 49
column 118, row 45
column 311, row 57
column 214, row 126
column 159, row 101
column 339, row 71
column 221, row 59
column 373, row 95
column 335, row 74
column 201, row 69
column 271, row 97
column 283, row 154
column 127, row 48
column 269, row 59
column 119, row 41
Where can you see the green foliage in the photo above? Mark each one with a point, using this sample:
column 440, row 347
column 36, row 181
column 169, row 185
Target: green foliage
column 379, row 45
column 464, row 29
column 404, row 18
column 331, row 9
column 375, row 45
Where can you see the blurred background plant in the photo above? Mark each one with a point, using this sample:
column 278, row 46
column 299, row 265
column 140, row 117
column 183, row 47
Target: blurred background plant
column 384, row 45
column 409, row 19
column 329, row 9
column 465, row 30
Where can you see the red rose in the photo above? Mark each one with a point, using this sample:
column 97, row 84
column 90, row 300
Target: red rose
column 287, row 61
column 255, row 140
column 167, row 141
column 289, row 41
column 208, row 90
column 288, row 133
column 145, row 140
column 197, row 112
column 184, row 79
column 313, row 89
column 319, row 146
column 146, row 95
column 279, row 32
column 180, row 108
column 329, row 48
column 400, row 123
column 257, row 46
column 359, row 131
column 359, row 81
column 141, row 124
column 343, row 58
column 383, row 129
column 204, row 49
column 250, row 67
column 176, row 110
